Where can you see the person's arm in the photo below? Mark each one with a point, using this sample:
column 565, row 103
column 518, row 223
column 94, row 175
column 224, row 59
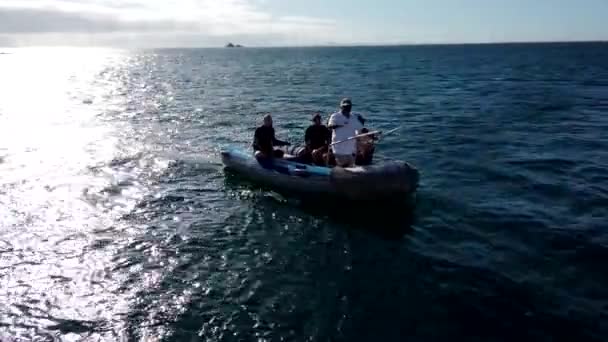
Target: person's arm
column 333, row 122
column 278, row 142
column 361, row 119
column 255, row 144
column 307, row 138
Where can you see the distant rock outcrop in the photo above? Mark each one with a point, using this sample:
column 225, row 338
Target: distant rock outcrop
column 230, row 45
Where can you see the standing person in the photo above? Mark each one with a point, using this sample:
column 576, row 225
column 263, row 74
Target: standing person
column 345, row 124
column 264, row 141
column 317, row 138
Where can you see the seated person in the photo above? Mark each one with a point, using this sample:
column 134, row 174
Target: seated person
column 264, row 141
column 365, row 148
column 317, row 138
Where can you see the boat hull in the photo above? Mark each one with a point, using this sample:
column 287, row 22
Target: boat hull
column 360, row 183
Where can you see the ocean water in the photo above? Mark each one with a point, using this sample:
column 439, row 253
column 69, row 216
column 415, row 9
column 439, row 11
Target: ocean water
column 118, row 222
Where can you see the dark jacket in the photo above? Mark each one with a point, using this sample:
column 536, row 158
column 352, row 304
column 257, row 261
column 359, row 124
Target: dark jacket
column 264, row 140
column 317, row 136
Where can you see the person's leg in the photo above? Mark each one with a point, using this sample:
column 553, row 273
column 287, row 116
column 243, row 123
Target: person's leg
column 344, row 160
column 305, row 156
column 359, row 158
column 318, row 156
column 263, row 159
column 364, row 158
column 331, row 158
column 369, row 156
column 278, row 153
column 350, row 161
column 260, row 155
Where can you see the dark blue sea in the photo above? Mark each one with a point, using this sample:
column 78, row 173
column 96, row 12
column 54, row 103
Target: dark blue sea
column 119, row 223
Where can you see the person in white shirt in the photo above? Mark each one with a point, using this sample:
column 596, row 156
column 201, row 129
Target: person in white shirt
column 345, row 124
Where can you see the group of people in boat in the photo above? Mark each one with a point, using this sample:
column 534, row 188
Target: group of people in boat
column 325, row 145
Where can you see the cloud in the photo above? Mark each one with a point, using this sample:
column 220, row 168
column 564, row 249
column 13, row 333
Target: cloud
column 190, row 21
column 48, row 21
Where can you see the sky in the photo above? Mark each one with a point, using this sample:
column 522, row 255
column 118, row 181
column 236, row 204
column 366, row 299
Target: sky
column 201, row 23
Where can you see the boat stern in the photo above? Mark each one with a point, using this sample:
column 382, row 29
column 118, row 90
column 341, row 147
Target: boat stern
column 375, row 182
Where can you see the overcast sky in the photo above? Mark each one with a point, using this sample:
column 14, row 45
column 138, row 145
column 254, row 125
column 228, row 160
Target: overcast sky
column 164, row 23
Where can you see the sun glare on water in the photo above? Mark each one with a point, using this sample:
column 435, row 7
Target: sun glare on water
column 56, row 191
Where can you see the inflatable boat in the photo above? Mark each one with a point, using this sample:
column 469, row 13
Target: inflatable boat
column 359, row 183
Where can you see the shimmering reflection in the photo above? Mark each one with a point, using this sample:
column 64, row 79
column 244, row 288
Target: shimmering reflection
column 117, row 220
column 66, row 177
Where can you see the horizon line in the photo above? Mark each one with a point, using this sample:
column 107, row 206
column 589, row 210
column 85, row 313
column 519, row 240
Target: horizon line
column 326, row 45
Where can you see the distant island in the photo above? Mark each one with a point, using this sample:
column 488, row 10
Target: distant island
column 230, row 45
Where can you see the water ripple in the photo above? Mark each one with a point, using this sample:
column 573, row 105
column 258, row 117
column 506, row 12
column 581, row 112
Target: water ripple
column 117, row 220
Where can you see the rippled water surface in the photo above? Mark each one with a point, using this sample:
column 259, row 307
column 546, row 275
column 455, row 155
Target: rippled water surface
column 117, row 220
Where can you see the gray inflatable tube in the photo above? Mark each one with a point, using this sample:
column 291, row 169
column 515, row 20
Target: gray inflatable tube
column 359, row 183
